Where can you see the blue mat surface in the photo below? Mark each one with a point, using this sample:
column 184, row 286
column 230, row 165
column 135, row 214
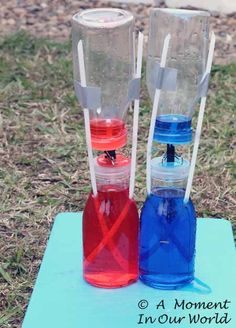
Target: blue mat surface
column 61, row 299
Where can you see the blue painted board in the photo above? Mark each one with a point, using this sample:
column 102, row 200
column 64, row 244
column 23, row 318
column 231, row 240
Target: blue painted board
column 61, row 299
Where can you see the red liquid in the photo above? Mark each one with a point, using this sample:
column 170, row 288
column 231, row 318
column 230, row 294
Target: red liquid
column 108, row 134
column 110, row 239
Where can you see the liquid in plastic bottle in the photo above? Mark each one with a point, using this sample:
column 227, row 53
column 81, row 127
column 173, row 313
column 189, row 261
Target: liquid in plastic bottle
column 110, row 236
column 167, row 241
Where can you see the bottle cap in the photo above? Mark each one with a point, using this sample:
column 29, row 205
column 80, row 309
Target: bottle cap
column 103, row 17
column 173, row 129
column 108, row 134
column 115, row 173
column 174, row 171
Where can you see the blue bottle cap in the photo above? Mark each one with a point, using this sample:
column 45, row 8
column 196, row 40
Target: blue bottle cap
column 173, row 129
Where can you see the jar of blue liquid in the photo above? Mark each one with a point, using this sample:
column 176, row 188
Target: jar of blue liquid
column 168, row 227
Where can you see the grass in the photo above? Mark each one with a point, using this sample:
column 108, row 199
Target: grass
column 43, row 159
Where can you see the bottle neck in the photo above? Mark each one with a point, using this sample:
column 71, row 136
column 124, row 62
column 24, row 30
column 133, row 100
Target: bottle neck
column 108, row 186
column 168, row 192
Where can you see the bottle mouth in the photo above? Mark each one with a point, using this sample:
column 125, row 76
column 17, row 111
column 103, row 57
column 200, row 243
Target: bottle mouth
column 181, row 13
column 103, row 17
column 121, row 163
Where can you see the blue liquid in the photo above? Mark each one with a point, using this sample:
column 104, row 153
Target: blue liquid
column 167, row 239
column 173, row 129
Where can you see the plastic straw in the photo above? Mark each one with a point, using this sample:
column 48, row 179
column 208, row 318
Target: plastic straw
column 86, row 119
column 154, row 115
column 199, row 123
column 110, row 234
column 135, row 119
column 119, row 258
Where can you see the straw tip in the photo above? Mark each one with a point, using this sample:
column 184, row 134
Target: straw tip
column 212, row 40
column 80, row 44
column 168, row 37
column 140, row 35
column 186, row 201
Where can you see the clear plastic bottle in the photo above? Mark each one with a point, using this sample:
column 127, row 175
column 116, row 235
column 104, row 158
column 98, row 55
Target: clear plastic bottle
column 108, row 38
column 187, row 53
column 168, row 228
column 110, row 227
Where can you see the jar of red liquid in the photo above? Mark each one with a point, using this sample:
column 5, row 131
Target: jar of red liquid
column 110, row 227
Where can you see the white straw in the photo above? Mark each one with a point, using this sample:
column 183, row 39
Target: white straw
column 135, row 119
column 199, row 123
column 86, row 119
column 154, row 115
column 134, row 49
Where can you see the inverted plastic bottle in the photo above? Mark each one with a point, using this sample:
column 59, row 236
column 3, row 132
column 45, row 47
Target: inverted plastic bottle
column 189, row 30
column 168, row 228
column 108, row 37
column 110, row 227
